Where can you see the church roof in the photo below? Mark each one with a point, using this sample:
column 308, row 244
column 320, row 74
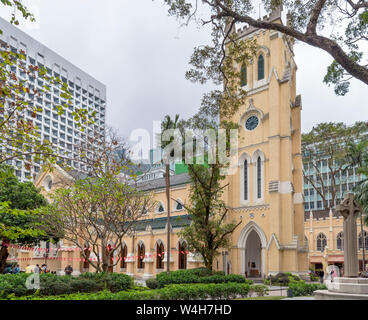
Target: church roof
column 160, row 223
column 175, row 180
column 320, row 214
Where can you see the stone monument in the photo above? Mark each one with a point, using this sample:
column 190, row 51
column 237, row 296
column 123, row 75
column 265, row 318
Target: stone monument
column 349, row 287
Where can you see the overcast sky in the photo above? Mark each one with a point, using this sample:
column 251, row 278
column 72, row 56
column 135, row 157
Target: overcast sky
column 141, row 55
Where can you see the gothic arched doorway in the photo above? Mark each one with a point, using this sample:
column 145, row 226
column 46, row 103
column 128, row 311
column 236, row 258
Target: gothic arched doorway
column 252, row 243
column 253, row 255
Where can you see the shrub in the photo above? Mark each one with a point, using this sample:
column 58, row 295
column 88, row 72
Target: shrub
column 199, row 275
column 305, row 289
column 179, row 276
column 152, row 283
column 282, row 279
column 170, row 292
column 83, row 285
column 56, row 288
column 112, row 281
column 51, row 284
column 260, row 290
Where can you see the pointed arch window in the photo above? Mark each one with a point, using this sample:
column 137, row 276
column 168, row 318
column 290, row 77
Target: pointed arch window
column 260, row 66
column 110, row 255
column 87, row 252
column 340, row 241
column 259, row 178
column 243, row 75
column 160, row 208
column 182, row 255
column 141, row 254
column 160, row 255
column 124, row 254
column 179, row 205
column 321, row 242
column 245, row 179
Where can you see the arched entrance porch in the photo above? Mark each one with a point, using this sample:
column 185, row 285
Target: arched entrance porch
column 252, row 244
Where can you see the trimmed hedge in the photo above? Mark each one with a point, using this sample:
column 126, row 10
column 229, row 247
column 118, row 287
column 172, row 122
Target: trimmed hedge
column 51, row 284
column 170, row 292
column 152, row 283
column 282, row 279
column 198, row 275
column 300, row 288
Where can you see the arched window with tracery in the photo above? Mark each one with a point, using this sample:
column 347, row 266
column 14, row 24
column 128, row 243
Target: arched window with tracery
column 361, row 240
column 182, row 255
column 141, row 253
column 321, row 242
column 123, row 256
column 260, row 66
column 340, row 241
column 160, row 251
column 243, row 75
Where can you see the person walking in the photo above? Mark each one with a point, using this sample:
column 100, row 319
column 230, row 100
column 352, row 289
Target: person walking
column 321, row 276
column 332, row 274
column 37, row 269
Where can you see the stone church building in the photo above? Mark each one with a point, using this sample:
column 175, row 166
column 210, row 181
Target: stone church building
column 265, row 192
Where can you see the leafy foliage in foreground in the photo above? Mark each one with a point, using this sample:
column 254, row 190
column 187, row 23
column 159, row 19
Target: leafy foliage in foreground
column 171, row 292
column 300, row 288
column 15, row 284
column 198, row 275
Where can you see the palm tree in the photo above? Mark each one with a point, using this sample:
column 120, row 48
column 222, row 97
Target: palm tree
column 167, row 124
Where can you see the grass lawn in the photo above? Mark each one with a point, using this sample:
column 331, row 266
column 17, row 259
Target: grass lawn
column 265, row 298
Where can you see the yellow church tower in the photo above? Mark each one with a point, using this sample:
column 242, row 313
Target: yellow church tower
column 265, row 193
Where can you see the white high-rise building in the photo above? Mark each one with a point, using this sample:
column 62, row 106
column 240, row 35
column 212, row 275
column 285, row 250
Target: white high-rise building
column 87, row 92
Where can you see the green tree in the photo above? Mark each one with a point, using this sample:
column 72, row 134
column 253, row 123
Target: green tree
column 312, row 22
column 18, row 219
column 96, row 212
column 210, row 229
column 209, row 232
column 327, row 144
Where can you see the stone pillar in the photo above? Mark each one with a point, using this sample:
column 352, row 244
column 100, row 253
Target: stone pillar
column 349, row 209
column 130, row 264
column 331, row 238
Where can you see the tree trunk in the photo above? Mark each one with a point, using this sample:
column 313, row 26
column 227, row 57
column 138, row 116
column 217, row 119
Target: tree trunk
column 209, row 264
column 167, row 179
column 4, row 253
